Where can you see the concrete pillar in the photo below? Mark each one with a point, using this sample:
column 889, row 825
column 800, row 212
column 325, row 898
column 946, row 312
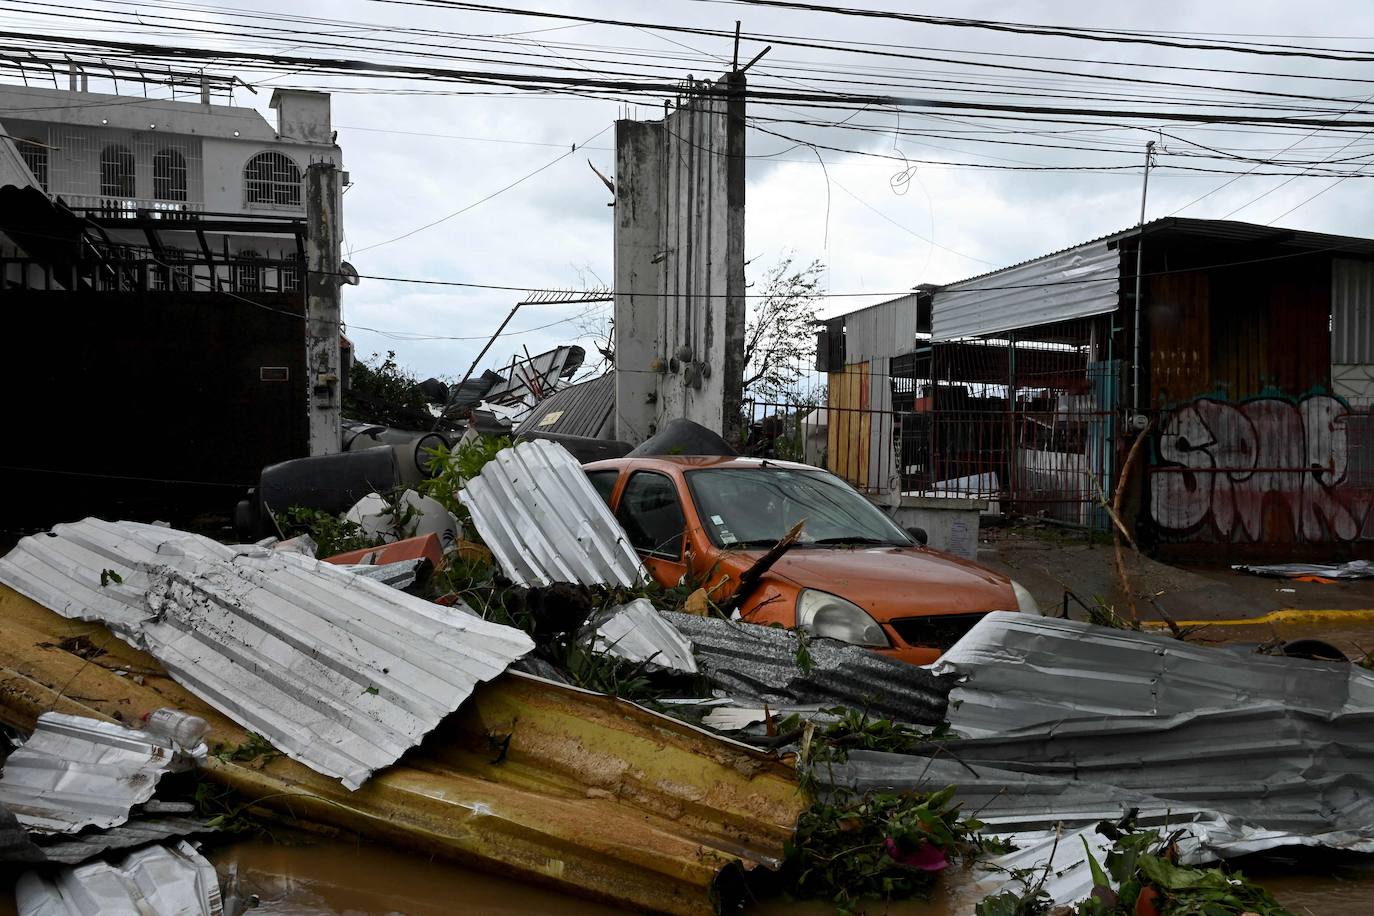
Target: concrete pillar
column 638, row 253
column 322, row 313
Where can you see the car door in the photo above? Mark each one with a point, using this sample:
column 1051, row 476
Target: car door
column 650, row 511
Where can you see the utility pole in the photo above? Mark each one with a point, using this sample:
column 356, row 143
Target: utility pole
column 322, row 282
column 1139, row 266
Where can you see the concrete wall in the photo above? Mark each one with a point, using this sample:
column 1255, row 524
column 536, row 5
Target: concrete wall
column 679, row 242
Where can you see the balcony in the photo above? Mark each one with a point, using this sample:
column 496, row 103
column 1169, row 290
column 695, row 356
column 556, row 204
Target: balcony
column 132, row 207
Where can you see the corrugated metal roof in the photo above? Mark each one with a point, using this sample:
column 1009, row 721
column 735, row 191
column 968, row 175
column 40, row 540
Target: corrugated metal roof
column 544, row 523
column 884, row 330
column 339, row 672
column 585, row 409
column 77, row 772
column 159, row 881
column 637, row 632
column 1352, row 312
column 754, row 662
column 1076, row 283
column 1004, row 662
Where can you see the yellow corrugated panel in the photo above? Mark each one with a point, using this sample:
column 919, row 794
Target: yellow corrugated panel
column 593, row 795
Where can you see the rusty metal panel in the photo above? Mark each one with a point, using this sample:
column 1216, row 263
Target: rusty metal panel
column 1075, row 283
column 338, row 671
column 1352, row 311
column 593, row 795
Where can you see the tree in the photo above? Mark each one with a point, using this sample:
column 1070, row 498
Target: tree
column 779, row 337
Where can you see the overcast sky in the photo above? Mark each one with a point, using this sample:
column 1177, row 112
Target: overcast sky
column 879, row 227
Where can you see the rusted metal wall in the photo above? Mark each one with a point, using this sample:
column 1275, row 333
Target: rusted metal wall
column 1253, row 456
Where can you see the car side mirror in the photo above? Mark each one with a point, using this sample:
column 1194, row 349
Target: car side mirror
column 918, row 535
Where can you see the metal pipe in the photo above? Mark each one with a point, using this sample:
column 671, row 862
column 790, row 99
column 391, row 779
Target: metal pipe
column 1139, row 262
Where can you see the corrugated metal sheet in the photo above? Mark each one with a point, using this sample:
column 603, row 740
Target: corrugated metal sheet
column 752, row 662
column 544, row 523
column 1004, row 665
column 1352, row 312
column 883, row 330
column 585, row 409
column 637, row 632
column 76, row 772
column 338, row 671
column 137, row 831
column 673, row 806
column 159, row 881
column 1076, row 283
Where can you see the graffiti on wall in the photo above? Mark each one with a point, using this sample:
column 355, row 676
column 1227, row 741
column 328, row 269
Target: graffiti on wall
column 1269, row 469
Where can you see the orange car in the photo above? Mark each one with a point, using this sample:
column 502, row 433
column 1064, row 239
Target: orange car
column 855, row 576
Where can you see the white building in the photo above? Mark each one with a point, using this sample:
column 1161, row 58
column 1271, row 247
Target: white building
column 128, row 155
column 185, row 193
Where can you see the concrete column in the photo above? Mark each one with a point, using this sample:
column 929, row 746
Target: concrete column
column 322, row 313
column 638, row 252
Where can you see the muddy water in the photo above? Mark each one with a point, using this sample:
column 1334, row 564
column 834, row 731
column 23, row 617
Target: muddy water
column 343, row 879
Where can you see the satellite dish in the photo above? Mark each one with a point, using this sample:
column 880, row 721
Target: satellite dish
column 348, row 274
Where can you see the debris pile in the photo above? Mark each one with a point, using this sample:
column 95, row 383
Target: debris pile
column 493, row 690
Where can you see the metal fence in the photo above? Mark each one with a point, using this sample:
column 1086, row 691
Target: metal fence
column 1025, row 421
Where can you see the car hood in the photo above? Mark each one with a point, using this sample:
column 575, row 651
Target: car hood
column 895, row 582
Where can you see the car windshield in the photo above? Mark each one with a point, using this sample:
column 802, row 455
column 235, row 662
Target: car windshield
column 754, row 507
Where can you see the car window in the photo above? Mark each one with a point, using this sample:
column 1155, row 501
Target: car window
column 756, row 506
column 604, row 482
column 651, row 514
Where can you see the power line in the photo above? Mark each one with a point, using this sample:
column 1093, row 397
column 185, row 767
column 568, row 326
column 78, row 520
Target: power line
column 483, row 200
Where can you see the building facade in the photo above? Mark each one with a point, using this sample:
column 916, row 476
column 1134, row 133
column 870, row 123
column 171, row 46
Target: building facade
column 171, row 266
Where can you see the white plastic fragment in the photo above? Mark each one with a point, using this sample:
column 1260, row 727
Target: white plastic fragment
column 412, row 515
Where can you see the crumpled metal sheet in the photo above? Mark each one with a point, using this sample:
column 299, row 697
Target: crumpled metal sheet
column 337, row 671
column 76, row 772
column 1020, row 671
column 171, row 880
column 1070, row 724
column 542, row 520
column 637, row 632
column 1355, row 569
column 751, row 662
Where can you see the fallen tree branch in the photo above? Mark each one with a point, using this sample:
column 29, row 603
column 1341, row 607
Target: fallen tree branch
column 749, row 579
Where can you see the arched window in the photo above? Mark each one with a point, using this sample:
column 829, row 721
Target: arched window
column 169, row 175
column 273, row 179
column 35, row 156
column 117, row 171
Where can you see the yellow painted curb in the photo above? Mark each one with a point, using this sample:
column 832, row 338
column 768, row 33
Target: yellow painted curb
column 1292, row 615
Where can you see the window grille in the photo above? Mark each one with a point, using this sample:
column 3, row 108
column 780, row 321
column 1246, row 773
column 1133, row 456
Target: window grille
column 247, row 272
column 35, row 156
column 272, row 179
column 169, row 175
column 117, row 171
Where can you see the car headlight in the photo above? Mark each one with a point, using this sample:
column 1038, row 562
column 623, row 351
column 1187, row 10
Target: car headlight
column 1025, row 601
column 824, row 614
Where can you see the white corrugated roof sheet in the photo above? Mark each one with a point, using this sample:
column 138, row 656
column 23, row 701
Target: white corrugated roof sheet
column 77, row 772
column 544, row 523
column 339, row 672
column 1076, row 283
column 171, row 880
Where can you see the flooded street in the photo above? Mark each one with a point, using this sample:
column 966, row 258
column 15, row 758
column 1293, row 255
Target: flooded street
column 332, row 878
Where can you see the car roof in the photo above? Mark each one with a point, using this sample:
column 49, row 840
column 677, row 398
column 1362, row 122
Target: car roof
column 692, row 462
